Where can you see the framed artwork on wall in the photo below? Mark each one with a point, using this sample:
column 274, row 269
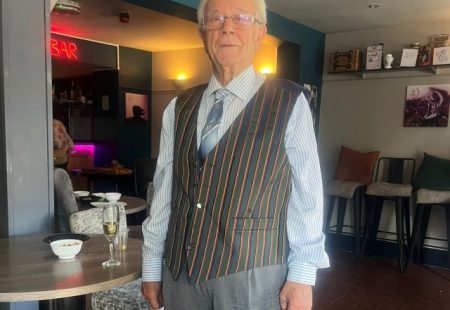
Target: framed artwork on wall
column 374, row 57
column 427, row 106
column 136, row 107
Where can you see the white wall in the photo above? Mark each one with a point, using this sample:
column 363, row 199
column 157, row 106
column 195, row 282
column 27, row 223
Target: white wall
column 367, row 113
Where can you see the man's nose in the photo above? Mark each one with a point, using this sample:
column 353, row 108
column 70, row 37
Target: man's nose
column 228, row 25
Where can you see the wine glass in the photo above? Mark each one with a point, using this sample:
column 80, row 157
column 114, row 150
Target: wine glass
column 110, row 218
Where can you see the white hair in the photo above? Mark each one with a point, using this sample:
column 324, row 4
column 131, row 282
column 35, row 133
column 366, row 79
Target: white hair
column 261, row 14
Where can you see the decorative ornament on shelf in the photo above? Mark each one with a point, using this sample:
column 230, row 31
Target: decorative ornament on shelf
column 388, row 60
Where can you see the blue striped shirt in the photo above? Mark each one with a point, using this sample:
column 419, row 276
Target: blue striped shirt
column 305, row 209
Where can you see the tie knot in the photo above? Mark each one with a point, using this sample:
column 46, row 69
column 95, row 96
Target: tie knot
column 220, row 94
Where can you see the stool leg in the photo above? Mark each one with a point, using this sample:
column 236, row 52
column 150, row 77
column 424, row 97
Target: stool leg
column 370, row 211
column 379, row 201
column 330, row 212
column 357, row 206
column 417, row 228
column 425, row 220
column 399, row 218
column 447, row 213
column 405, row 202
column 342, row 203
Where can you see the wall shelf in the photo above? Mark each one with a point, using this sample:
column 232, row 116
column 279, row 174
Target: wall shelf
column 395, row 72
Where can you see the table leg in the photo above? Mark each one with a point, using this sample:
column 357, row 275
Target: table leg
column 69, row 303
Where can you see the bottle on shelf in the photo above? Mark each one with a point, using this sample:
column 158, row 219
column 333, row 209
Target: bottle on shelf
column 78, row 92
column 72, row 91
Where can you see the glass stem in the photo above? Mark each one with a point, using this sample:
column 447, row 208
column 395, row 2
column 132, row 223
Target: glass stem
column 111, row 258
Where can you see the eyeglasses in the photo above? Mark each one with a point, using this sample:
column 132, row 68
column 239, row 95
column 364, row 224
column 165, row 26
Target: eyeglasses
column 239, row 21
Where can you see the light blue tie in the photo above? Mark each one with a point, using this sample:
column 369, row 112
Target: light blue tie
column 210, row 133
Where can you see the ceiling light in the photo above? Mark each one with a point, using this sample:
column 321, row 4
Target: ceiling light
column 67, row 7
column 373, row 6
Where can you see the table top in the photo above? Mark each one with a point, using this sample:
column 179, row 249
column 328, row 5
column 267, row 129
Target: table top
column 134, row 204
column 30, row 271
column 115, row 171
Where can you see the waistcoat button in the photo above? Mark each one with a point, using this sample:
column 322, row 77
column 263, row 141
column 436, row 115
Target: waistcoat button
column 199, row 205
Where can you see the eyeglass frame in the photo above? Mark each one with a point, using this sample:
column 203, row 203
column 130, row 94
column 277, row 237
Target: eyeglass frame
column 222, row 19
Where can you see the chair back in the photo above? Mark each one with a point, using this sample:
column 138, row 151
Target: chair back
column 395, row 170
column 144, row 169
column 90, row 221
column 65, row 203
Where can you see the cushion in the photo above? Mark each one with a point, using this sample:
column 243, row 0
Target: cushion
column 433, row 197
column 385, row 189
column 356, row 166
column 433, row 174
column 341, row 188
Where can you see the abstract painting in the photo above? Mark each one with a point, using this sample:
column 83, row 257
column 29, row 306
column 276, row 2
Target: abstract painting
column 427, row 106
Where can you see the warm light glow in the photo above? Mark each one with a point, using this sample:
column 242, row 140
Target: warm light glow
column 267, row 69
column 266, row 60
column 181, row 76
column 84, row 148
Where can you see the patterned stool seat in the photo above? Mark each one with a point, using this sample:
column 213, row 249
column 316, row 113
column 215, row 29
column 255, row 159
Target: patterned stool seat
column 341, row 188
column 433, row 197
column 387, row 189
column 127, row 297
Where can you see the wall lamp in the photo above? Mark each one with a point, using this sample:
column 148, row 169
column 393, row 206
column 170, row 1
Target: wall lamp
column 180, row 82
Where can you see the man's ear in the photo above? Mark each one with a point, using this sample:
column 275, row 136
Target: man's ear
column 202, row 35
column 262, row 31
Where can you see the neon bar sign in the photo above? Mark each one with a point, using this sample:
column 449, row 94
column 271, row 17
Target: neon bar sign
column 63, row 49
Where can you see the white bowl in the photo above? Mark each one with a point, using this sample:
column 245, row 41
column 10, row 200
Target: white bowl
column 101, row 195
column 66, row 248
column 113, row 197
column 80, row 193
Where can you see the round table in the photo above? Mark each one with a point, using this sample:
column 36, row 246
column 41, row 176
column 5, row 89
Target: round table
column 30, row 271
column 134, row 204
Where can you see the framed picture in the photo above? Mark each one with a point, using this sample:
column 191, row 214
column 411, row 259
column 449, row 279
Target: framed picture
column 374, row 57
column 427, row 106
column 441, row 55
column 409, row 57
column 136, row 107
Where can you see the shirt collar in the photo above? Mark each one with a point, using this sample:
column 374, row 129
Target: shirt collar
column 248, row 76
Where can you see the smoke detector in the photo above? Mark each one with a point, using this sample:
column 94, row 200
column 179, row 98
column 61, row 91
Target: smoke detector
column 67, row 7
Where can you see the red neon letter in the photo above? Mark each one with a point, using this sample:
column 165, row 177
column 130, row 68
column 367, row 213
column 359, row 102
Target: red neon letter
column 54, row 47
column 72, row 51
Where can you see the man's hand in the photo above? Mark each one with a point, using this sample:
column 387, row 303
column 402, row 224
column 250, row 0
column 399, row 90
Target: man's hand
column 152, row 291
column 295, row 296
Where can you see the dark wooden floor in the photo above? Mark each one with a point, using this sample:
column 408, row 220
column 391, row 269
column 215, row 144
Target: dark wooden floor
column 376, row 283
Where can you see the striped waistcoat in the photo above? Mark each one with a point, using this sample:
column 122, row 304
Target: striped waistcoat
column 231, row 216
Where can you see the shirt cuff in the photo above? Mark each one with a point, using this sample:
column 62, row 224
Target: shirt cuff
column 302, row 273
column 152, row 270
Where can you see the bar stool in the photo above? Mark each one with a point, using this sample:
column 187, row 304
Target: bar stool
column 345, row 191
column 354, row 172
column 433, row 188
column 393, row 182
column 425, row 200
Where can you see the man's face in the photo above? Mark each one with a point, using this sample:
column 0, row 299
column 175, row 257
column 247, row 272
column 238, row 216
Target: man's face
column 231, row 47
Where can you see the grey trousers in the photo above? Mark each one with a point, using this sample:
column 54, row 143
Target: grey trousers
column 253, row 289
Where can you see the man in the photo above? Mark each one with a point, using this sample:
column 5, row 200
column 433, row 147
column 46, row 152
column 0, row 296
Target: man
column 138, row 113
column 239, row 224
